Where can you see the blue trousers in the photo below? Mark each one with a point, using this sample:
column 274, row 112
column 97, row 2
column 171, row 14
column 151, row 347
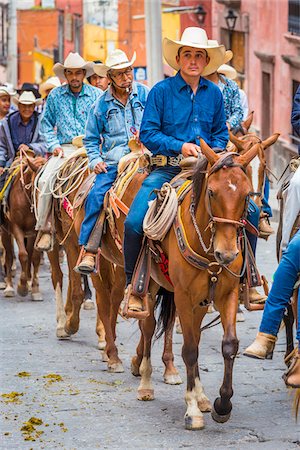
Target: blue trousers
column 284, row 279
column 265, row 205
column 133, row 235
column 94, row 202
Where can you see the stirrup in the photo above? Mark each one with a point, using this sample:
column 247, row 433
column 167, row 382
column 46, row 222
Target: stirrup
column 139, row 315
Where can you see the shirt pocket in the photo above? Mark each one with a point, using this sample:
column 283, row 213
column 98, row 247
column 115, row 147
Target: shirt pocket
column 206, row 118
column 137, row 112
column 113, row 120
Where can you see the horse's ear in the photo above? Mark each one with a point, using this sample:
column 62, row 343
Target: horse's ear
column 211, row 156
column 271, row 140
column 247, row 157
column 248, row 121
column 236, row 141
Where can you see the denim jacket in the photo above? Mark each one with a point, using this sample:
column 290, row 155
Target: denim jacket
column 110, row 125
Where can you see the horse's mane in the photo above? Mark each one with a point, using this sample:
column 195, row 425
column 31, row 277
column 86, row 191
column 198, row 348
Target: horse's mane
column 200, row 171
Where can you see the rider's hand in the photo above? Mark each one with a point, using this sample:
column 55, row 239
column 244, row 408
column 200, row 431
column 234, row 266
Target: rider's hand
column 100, row 167
column 1, row 170
column 23, row 147
column 189, row 149
column 58, row 151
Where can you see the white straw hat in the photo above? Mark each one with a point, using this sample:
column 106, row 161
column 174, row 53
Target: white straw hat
column 196, row 38
column 116, row 60
column 73, row 61
column 27, row 98
column 228, row 71
column 6, row 89
column 51, row 83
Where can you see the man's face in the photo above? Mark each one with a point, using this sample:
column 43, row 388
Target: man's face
column 4, row 104
column 122, row 77
column 75, row 77
column 26, row 111
column 99, row 82
column 192, row 61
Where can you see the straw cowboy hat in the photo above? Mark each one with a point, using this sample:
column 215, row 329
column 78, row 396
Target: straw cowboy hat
column 5, row 89
column 228, row 71
column 73, row 61
column 116, row 60
column 51, row 83
column 228, row 53
column 27, row 98
column 196, row 38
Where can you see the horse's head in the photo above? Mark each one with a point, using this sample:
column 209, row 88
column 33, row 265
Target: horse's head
column 35, row 163
column 256, row 171
column 227, row 195
column 244, row 126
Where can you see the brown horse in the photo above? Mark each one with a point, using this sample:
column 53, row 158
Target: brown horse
column 20, row 224
column 219, row 208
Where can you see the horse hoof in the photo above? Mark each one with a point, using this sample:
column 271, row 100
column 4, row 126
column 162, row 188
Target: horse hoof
column 194, row 422
column 88, row 304
column 2, row 285
column 36, row 297
column 62, row 334
column 101, row 345
column 104, row 357
column 145, row 395
column 9, row 292
column 135, row 369
column 22, row 290
column 172, row 379
column 116, row 368
column 220, row 418
column 205, row 405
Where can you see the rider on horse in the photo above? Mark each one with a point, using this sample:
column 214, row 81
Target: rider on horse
column 112, row 121
column 65, row 117
column 282, row 289
column 180, row 110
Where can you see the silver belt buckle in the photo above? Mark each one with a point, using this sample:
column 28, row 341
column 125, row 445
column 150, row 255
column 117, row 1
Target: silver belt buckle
column 175, row 160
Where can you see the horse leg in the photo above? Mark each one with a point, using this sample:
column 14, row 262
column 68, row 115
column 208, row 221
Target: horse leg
column 171, row 375
column 2, row 277
column 227, row 308
column 23, row 258
column 57, row 282
column 75, row 293
column 36, row 294
column 145, row 389
column 137, row 358
column 7, row 241
column 88, row 302
column 193, row 416
column 100, row 330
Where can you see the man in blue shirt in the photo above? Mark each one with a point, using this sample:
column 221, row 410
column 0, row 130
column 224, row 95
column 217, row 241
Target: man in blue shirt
column 112, row 121
column 64, row 118
column 179, row 111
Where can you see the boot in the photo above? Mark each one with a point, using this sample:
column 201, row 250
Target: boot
column 262, row 347
column 264, row 227
column 134, row 306
column 87, row 264
column 292, row 375
column 256, row 297
column 44, row 243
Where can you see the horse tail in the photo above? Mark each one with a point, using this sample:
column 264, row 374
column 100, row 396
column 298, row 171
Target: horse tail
column 296, row 404
column 165, row 300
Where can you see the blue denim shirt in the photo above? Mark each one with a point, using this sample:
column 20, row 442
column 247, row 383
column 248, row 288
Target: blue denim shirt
column 65, row 115
column 174, row 115
column 21, row 133
column 111, row 124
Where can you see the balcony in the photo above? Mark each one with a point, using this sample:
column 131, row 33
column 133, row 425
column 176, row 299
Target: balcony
column 230, row 3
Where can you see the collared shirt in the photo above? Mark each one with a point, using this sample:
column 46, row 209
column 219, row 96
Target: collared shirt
column 175, row 115
column 22, row 133
column 65, row 115
column 110, row 125
column 232, row 101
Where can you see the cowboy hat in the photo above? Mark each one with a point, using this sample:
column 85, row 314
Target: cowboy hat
column 116, row 60
column 196, row 38
column 27, row 98
column 6, row 89
column 228, row 71
column 51, row 83
column 228, row 53
column 29, row 87
column 73, row 61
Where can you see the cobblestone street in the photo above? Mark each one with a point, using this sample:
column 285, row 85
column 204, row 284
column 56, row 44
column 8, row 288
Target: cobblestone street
column 85, row 407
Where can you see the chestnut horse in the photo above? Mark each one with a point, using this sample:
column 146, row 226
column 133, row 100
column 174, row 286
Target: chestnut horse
column 20, row 224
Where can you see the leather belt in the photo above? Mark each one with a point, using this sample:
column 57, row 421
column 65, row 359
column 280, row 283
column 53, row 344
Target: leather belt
column 162, row 160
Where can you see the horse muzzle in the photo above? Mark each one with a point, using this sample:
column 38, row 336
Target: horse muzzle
column 225, row 257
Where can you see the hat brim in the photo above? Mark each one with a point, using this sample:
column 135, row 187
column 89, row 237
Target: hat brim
column 228, row 71
column 38, row 102
column 102, row 69
column 59, row 70
column 228, row 56
column 44, row 87
column 216, row 54
column 4, row 92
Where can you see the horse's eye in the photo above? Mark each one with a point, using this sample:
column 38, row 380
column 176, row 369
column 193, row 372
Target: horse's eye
column 210, row 193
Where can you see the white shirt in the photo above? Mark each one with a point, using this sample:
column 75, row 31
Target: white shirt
column 291, row 209
column 244, row 103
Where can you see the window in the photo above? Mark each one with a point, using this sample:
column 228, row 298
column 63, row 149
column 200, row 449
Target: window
column 294, row 17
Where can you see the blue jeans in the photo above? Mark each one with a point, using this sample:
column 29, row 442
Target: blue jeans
column 284, row 279
column 253, row 217
column 133, row 234
column 265, row 199
column 94, row 202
